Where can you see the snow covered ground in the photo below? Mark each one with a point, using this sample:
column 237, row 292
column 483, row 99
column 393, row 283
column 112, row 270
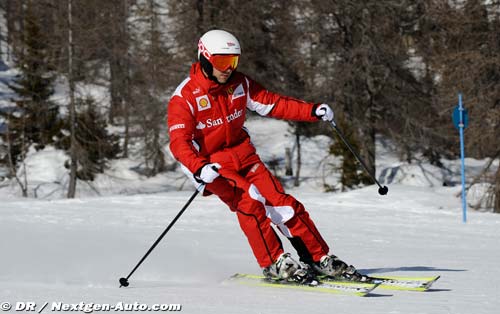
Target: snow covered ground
column 75, row 250
column 72, row 251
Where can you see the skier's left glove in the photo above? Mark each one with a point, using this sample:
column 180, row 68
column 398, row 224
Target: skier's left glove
column 323, row 112
column 208, row 173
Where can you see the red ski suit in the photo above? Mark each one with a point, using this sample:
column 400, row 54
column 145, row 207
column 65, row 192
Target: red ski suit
column 205, row 123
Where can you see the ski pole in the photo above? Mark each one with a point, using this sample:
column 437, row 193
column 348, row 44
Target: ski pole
column 382, row 190
column 124, row 281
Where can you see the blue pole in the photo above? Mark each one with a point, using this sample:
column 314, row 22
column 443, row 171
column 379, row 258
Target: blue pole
column 462, row 156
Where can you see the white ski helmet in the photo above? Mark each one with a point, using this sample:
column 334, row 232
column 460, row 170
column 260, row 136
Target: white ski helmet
column 218, row 42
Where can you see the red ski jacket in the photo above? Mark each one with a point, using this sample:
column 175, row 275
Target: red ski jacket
column 205, row 119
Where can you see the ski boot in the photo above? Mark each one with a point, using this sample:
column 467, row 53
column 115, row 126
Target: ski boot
column 288, row 269
column 332, row 267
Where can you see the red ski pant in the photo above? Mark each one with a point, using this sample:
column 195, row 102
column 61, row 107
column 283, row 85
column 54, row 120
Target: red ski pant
column 258, row 199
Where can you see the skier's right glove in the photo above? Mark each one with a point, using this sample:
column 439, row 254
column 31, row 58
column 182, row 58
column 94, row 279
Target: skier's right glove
column 207, row 174
column 323, row 112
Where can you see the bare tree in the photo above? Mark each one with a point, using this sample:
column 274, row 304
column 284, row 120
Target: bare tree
column 72, row 108
column 353, row 56
column 23, row 184
column 116, row 40
column 496, row 206
column 462, row 48
column 152, row 80
column 14, row 14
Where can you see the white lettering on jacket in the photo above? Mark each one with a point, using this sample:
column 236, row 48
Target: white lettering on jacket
column 219, row 121
column 235, row 115
column 176, row 127
column 211, row 123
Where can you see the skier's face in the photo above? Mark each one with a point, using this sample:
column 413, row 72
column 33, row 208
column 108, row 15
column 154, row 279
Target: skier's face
column 222, row 77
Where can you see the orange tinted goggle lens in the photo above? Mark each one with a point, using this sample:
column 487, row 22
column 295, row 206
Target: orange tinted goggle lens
column 224, row 62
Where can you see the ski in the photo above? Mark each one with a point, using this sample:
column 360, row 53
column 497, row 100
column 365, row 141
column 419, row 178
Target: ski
column 396, row 282
column 333, row 287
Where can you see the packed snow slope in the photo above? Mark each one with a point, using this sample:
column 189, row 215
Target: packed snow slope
column 72, row 251
column 75, row 250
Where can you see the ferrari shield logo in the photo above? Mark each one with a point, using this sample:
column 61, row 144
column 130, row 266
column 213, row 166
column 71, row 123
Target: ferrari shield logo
column 203, row 103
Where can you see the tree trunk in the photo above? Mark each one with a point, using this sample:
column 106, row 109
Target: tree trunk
column 126, row 88
column 13, row 15
column 115, row 86
column 496, row 208
column 12, row 168
column 367, row 141
column 368, row 147
column 72, row 109
column 288, row 162
column 299, row 157
column 159, row 161
column 199, row 9
column 127, row 132
column 118, row 67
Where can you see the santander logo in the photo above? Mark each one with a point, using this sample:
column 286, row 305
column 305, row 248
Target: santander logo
column 219, row 121
column 235, row 115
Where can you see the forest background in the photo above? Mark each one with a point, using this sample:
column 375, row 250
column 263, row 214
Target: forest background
column 388, row 68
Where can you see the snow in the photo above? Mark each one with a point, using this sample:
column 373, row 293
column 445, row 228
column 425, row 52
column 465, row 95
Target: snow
column 46, row 165
column 6, row 77
column 75, row 250
column 72, row 251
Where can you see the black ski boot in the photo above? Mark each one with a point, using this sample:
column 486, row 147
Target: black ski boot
column 332, row 267
column 288, row 269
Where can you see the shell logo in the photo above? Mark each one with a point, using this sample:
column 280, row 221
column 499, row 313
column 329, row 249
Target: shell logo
column 203, row 103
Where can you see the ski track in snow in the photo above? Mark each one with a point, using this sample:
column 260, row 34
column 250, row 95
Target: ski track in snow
column 75, row 250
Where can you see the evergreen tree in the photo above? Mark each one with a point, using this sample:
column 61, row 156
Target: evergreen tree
column 351, row 172
column 94, row 145
column 35, row 120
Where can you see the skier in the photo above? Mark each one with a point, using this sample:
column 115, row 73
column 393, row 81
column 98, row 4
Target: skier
column 205, row 120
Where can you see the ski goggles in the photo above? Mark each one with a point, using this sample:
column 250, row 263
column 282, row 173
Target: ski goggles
column 224, row 62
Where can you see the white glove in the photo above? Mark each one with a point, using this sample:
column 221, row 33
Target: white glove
column 324, row 112
column 208, row 173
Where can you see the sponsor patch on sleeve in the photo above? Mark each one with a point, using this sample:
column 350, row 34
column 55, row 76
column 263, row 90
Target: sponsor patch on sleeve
column 177, row 126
